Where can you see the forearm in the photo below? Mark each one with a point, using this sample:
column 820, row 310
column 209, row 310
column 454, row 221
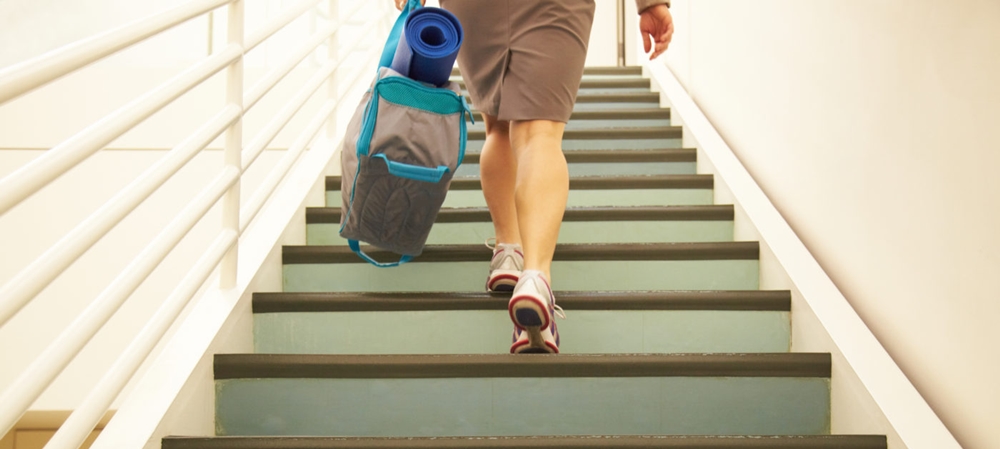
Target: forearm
column 643, row 4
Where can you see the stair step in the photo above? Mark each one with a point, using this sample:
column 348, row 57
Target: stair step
column 637, row 99
column 610, row 70
column 662, row 132
column 628, row 114
column 595, row 83
column 555, row 442
column 616, row 162
column 428, row 323
column 635, row 224
column 651, row 190
column 480, row 395
column 632, row 267
column 750, row 300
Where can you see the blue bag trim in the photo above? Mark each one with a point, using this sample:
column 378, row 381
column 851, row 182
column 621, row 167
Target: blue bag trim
column 356, row 247
column 389, row 51
column 440, row 101
column 414, row 172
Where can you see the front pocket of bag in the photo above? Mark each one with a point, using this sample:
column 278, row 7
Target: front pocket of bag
column 392, row 212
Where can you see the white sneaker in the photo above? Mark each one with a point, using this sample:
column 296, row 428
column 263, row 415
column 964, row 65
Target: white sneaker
column 533, row 309
column 505, row 267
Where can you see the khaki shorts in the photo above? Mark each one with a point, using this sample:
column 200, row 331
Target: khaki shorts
column 523, row 59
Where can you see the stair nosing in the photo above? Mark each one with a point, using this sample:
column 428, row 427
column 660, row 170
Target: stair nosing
column 590, row 182
column 317, row 215
column 615, row 156
column 591, row 83
column 612, row 114
column 722, row 300
column 682, row 251
column 336, row 366
column 649, row 132
column 536, row 442
column 593, row 70
column 616, row 97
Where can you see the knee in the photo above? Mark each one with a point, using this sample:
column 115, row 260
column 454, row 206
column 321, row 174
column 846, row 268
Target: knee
column 497, row 129
column 537, row 133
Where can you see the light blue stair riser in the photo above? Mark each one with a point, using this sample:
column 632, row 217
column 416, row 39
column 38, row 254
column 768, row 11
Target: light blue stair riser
column 610, row 168
column 567, row 275
column 597, row 124
column 569, row 232
column 523, row 406
column 489, row 332
column 580, row 198
column 602, row 144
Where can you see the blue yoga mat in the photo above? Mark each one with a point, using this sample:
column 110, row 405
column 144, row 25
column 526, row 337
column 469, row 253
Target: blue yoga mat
column 428, row 46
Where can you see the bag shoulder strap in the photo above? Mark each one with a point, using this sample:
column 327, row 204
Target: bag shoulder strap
column 393, row 41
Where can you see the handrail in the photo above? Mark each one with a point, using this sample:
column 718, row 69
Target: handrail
column 256, row 202
column 36, row 276
column 283, row 68
column 37, row 377
column 275, row 125
column 27, row 180
column 29, row 75
column 283, row 19
column 81, row 422
column 223, row 189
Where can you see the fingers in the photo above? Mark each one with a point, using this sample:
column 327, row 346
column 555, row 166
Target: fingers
column 646, row 44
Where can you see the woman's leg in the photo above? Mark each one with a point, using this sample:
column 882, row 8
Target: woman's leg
column 541, row 189
column 498, row 173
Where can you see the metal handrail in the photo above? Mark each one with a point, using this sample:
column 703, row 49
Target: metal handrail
column 221, row 254
column 29, row 75
column 27, row 180
column 284, row 18
column 283, row 68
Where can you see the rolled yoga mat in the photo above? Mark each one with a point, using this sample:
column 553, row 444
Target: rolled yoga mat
column 428, row 46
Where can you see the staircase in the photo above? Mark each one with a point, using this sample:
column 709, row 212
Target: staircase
column 669, row 343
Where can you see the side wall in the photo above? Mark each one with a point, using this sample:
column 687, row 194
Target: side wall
column 872, row 127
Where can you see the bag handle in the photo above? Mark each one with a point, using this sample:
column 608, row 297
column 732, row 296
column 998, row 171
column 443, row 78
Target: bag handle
column 356, row 247
column 414, row 172
column 397, row 30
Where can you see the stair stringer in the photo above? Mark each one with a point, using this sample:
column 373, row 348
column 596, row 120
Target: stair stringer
column 869, row 393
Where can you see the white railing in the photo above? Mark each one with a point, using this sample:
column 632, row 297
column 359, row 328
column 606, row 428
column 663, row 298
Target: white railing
column 221, row 254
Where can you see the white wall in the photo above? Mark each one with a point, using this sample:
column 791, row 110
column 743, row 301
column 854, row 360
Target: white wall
column 872, row 127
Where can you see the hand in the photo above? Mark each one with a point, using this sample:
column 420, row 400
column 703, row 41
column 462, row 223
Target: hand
column 657, row 24
column 401, row 3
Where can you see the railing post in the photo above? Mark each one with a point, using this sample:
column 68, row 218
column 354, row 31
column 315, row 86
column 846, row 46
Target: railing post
column 234, row 145
column 333, row 52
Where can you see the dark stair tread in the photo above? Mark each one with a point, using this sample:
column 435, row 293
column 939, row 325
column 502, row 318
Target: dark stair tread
column 616, row 156
column 572, row 214
column 564, row 252
column 749, row 300
column 605, row 70
column 592, row 182
column 616, row 97
column 336, row 366
column 542, row 442
column 648, row 132
column 612, row 114
column 602, row 83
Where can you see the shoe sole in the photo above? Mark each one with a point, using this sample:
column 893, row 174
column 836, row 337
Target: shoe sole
column 531, row 315
column 502, row 280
